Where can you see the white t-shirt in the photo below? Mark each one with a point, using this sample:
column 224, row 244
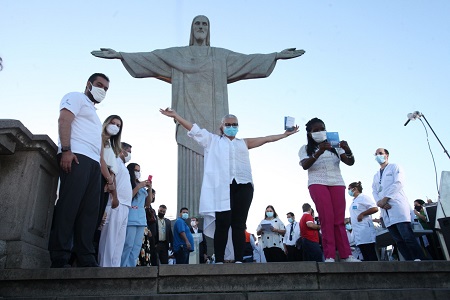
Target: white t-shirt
column 123, row 184
column 272, row 239
column 295, row 226
column 86, row 128
column 390, row 184
column 364, row 231
column 325, row 170
column 110, row 158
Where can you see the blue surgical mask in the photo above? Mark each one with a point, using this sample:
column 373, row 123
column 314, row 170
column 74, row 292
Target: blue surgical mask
column 351, row 193
column 290, row 220
column 380, row 159
column 348, row 226
column 269, row 214
column 230, row 131
column 184, row 216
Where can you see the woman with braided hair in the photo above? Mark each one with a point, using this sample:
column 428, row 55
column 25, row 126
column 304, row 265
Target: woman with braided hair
column 327, row 188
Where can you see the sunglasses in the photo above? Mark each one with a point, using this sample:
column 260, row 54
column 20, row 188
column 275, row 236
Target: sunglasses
column 231, row 124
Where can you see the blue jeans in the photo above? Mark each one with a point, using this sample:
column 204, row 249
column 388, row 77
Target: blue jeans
column 408, row 246
column 182, row 256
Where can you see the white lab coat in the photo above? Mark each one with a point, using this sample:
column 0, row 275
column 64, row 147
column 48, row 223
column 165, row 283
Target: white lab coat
column 390, row 184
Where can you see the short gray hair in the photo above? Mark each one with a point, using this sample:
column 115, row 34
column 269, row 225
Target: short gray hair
column 229, row 116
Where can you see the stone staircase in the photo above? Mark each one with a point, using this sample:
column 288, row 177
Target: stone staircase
column 299, row 280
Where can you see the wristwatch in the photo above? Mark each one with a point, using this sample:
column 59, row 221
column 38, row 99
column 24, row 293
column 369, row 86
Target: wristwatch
column 65, row 148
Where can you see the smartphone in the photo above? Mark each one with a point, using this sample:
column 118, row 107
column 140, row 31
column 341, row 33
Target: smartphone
column 150, row 177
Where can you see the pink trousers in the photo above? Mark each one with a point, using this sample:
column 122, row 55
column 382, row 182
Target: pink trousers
column 330, row 204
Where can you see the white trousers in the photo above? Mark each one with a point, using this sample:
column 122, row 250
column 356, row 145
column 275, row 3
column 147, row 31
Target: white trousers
column 113, row 236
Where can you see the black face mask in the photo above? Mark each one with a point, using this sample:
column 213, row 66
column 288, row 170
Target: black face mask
column 418, row 208
column 161, row 215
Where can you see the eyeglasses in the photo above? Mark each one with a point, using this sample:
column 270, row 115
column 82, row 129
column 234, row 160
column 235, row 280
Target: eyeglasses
column 379, row 153
column 231, row 124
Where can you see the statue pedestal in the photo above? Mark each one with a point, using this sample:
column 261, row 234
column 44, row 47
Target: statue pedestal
column 28, row 183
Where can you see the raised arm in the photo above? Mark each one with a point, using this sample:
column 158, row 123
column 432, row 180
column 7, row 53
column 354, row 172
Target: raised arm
column 290, row 53
column 107, row 53
column 173, row 114
column 259, row 141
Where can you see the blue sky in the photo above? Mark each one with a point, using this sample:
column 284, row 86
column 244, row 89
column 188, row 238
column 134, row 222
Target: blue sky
column 367, row 64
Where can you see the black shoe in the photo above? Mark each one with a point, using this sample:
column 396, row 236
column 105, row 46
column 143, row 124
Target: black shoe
column 90, row 265
column 60, row 264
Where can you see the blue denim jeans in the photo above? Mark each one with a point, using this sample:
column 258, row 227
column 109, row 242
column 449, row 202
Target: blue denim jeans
column 182, row 256
column 408, row 246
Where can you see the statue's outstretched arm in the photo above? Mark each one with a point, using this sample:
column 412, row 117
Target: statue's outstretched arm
column 107, row 53
column 290, row 53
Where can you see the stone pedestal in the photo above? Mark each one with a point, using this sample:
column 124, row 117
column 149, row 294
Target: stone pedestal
column 28, row 183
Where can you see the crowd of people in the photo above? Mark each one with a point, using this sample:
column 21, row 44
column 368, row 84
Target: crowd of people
column 104, row 214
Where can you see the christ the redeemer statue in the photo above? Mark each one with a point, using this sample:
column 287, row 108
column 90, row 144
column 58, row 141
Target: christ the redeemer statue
column 199, row 75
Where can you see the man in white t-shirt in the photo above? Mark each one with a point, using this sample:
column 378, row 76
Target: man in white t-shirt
column 79, row 151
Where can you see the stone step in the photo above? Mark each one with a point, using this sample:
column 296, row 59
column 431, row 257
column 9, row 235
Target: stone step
column 366, row 280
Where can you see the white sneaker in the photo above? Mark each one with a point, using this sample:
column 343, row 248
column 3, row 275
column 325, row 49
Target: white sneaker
column 350, row 259
column 238, row 262
column 417, row 259
column 219, row 263
column 329, row 260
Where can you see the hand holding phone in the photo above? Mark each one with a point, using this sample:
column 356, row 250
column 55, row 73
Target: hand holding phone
column 150, row 177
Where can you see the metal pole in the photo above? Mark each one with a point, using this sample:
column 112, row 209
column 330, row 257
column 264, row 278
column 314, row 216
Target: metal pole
column 445, row 151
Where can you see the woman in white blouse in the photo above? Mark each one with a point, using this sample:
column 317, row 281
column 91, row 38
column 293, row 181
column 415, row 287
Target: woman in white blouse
column 327, row 188
column 227, row 187
column 272, row 231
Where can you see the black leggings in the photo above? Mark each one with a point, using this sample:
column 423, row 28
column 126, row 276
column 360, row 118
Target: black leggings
column 241, row 196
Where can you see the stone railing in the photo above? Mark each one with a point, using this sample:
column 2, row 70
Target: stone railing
column 28, row 183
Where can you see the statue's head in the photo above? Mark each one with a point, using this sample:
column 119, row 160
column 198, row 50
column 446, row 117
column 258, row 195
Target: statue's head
column 199, row 30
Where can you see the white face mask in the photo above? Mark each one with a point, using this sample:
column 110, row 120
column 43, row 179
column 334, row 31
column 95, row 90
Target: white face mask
column 128, row 157
column 98, row 93
column 112, row 129
column 193, row 223
column 136, row 173
column 319, row 137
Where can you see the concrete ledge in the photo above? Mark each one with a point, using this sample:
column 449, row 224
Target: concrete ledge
column 237, row 277
column 384, row 275
column 366, row 280
column 78, row 282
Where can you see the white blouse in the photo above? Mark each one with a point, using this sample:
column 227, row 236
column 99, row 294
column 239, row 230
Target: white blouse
column 272, row 239
column 325, row 170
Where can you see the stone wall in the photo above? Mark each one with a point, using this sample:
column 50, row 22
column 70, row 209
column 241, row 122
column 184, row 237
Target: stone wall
column 28, row 183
